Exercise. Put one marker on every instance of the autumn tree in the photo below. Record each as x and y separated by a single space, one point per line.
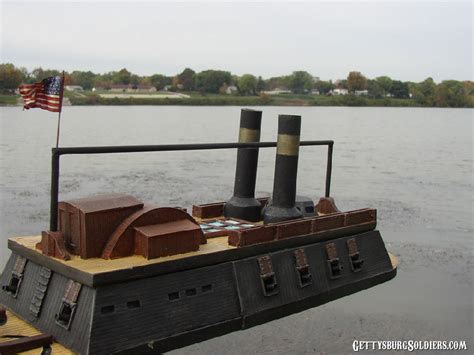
451 93
424 92
123 76
356 81
10 77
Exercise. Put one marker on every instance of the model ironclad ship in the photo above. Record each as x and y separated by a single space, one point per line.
114 274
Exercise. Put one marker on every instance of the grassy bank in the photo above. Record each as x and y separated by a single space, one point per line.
231 100
6 100
197 99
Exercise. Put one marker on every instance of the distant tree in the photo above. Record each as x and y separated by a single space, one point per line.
186 79
123 76
247 84
341 84
356 81
10 77
400 90
159 81
301 82
40 73
278 82
451 93
261 85
83 78
385 84
424 92
25 75
145 80
324 87
134 79
375 89
212 80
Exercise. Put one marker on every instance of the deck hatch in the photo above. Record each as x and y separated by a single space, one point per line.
68 305
16 277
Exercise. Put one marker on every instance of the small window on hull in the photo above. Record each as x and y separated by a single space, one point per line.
191 292
107 309
133 304
173 296
206 288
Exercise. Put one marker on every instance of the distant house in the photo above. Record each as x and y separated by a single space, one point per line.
315 92
277 91
231 89
361 92
339 91
132 88
75 88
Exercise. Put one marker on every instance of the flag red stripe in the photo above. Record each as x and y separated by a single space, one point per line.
44 107
34 96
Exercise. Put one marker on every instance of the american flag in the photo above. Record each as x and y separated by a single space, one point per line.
46 94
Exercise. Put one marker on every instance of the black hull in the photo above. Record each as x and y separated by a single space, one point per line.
164 311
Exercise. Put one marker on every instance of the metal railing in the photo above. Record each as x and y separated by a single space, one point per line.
57 152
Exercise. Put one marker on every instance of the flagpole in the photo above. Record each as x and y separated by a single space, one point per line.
60 109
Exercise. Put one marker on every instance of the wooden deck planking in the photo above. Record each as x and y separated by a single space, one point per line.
16 326
97 265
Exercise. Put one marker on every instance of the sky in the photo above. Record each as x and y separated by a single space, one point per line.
405 40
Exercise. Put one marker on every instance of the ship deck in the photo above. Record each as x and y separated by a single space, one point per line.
97 271
16 326
95 266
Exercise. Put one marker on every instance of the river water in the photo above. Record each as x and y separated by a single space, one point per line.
413 164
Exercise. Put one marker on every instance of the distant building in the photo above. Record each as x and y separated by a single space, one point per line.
315 92
339 91
132 88
73 88
361 92
231 89
277 91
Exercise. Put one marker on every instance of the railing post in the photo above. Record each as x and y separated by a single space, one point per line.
53 218
57 152
329 169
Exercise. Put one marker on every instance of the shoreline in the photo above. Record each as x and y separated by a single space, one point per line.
226 100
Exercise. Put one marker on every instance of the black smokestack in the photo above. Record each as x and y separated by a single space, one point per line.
243 204
282 206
